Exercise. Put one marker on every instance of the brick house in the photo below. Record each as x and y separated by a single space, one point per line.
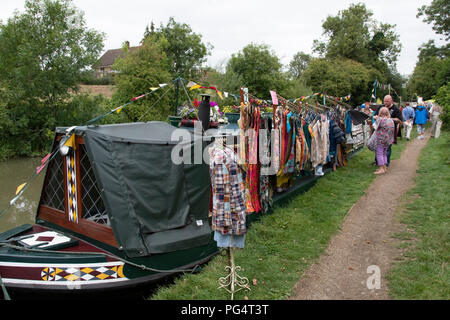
104 66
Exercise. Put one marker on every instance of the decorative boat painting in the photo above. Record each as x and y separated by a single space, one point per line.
115 213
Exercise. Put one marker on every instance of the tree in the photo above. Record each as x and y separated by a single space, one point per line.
44 53
340 77
184 49
137 72
353 34
438 14
432 69
429 75
259 68
442 97
298 64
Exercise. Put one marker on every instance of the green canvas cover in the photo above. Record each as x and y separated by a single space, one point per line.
154 205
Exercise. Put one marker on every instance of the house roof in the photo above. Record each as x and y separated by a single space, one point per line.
110 56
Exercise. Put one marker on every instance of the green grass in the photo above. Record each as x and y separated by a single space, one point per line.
423 271
282 245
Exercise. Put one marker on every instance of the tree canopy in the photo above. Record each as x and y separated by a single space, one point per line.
184 48
438 14
137 72
44 52
354 34
259 68
432 69
355 51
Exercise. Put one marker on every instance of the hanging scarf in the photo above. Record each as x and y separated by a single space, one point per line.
253 201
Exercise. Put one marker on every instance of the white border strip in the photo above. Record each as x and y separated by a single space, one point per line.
61 265
62 283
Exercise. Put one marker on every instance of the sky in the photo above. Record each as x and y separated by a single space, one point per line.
287 26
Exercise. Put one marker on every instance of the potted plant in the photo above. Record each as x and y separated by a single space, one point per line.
232 113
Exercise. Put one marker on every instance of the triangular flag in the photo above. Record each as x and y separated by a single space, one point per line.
220 94
44 159
71 142
226 94
119 109
191 84
19 188
162 84
195 87
154 88
39 169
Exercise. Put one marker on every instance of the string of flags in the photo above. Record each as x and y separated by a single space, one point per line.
70 143
303 98
152 89
378 84
193 86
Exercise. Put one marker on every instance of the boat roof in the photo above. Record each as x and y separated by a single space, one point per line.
154 204
156 132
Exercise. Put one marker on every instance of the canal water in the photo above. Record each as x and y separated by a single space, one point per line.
12 174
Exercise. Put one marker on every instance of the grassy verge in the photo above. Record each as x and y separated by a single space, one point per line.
282 245
423 271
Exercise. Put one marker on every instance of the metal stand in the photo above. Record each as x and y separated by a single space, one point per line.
233 282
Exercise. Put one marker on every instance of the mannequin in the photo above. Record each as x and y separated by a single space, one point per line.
228 210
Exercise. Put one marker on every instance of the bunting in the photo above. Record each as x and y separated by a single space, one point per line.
43 163
379 85
303 98
19 188
193 86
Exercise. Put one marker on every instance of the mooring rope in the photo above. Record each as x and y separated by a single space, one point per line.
144 267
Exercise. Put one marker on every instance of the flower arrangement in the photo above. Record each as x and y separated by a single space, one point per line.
231 109
187 112
216 114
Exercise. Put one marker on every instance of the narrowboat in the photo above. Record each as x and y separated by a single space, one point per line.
115 213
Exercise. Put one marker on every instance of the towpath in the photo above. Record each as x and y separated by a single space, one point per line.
364 245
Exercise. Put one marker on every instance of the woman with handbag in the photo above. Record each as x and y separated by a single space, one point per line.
384 131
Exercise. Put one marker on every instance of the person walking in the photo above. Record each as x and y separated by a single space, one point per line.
385 132
397 117
436 122
421 117
408 120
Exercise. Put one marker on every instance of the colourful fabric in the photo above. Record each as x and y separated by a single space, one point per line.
228 208
289 166
253 174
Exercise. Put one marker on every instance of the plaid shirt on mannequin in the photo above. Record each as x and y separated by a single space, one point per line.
228 210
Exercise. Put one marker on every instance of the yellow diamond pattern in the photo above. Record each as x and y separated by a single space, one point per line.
87 270
102 276
49 274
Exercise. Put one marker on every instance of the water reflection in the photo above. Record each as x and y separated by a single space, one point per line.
12 174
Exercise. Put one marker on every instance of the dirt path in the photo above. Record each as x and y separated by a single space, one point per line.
364 239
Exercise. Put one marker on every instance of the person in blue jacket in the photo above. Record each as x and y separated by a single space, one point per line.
420 119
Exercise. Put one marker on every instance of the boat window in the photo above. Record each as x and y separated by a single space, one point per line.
53 195
92 202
